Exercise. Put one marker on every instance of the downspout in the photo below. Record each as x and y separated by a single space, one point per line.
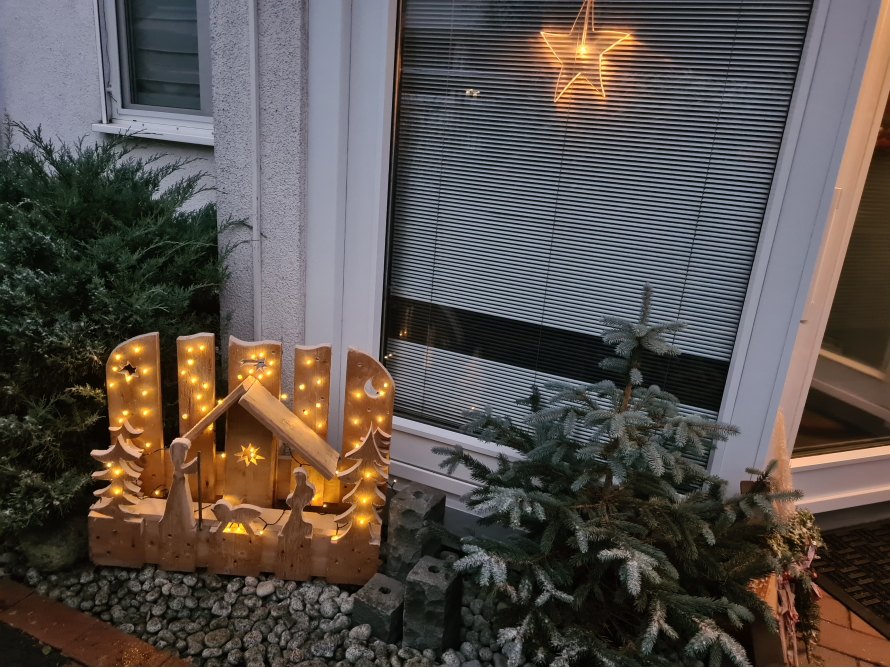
256 238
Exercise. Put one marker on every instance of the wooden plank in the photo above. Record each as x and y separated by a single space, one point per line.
133 381
116 542
196 361
236 544
254 482
312 383
352 557
295 539
221 408
369 398
307 445
178 529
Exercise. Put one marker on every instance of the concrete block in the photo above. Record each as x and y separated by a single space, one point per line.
379 604
408 510
432 606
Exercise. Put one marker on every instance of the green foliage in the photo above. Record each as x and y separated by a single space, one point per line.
94 252
624 552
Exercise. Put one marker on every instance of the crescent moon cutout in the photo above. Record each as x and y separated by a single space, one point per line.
370 391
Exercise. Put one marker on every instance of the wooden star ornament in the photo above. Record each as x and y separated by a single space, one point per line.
581 51
249 455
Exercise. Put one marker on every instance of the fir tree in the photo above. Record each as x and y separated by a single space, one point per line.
366 474
94 251
624 552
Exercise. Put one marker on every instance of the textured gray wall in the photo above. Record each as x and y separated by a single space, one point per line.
282 83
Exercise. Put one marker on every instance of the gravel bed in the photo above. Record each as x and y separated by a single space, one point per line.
232 621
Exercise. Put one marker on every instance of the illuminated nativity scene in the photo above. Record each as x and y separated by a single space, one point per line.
188 506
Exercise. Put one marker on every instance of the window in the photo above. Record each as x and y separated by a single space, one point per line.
523 209
165 55
155 57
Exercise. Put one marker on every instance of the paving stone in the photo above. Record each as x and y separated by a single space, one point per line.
414 505
432 617
380 603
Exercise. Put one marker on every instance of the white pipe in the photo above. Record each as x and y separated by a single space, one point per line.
256 240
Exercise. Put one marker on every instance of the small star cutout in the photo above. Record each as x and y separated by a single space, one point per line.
249 455
261 364
129 371
581 51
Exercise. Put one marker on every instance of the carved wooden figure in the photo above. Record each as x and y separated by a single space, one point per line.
235 547
132 376
178 528
312 401
251 449
196 360
295 539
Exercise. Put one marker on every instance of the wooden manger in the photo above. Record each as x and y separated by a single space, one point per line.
188 506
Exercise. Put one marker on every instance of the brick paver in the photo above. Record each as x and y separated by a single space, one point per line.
847 640
75 634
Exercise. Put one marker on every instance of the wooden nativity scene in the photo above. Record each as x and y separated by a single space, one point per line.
279 499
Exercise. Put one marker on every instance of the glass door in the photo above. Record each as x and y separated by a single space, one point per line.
848 404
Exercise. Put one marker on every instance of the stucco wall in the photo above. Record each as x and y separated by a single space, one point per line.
282 76
49 76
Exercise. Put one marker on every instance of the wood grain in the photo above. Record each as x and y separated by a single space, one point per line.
196 366
138 400
116 542
294 557
254 483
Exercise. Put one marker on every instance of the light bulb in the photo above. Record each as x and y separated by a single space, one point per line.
194 380
117 471
201 347
129 378
284 396
117 357
157 492
318 382
110 384
253 357
308 362
198 396
190 362
203 409
385 384
268 373
125 413
114 368
271 362
355 422
147 446
206 386
185 416
182 373
305 411
120 420
358 395
250 371
317 405
240 377
144 413
117 491
262 354
319 425
190 349
380 419
144 371
361 521
136 349
302 387
144 393
220 401
223 455
364 500
367 475
108 465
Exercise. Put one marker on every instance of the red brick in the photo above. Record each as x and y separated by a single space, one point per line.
107 646
173 661
832 658
50 622
854 643
832 610
859 624
11 592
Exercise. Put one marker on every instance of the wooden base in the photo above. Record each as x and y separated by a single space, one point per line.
131 543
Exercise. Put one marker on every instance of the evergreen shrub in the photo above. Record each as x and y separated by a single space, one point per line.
93 251
623 551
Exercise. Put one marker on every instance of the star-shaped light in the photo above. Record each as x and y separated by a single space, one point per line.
249 455
581 51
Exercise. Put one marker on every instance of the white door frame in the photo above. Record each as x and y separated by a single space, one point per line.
348 214
855 477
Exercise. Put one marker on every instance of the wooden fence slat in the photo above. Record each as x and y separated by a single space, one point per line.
196 362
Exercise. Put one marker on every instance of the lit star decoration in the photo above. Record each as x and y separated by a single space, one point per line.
129 372
581 51
249 455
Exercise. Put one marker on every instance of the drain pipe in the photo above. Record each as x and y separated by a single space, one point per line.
256 238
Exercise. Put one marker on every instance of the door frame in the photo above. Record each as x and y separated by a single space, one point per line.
855 477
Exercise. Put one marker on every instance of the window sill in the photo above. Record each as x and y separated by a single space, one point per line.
199 133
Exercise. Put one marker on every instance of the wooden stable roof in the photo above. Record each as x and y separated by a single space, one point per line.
275 417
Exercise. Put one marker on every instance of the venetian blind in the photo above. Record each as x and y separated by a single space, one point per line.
517 221
162 40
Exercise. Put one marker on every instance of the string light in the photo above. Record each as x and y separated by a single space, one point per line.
358 395
117 471
302 387
305 411
194 380
240 377
284 396
220 401
190 362
262 354
319 425
318 382
355 422
250 371
117 357
182 373
110 384
136 349
114 368
145 412
308 362
206 386
201 347
223 455
144 393
117 491
125 413
185 416
129 378
190 349
108 465
203 409
199 396
145 371
318 405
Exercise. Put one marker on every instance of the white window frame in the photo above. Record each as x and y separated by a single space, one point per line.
116 118
352 50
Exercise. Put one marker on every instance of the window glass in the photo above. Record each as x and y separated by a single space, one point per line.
537 186
162 49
